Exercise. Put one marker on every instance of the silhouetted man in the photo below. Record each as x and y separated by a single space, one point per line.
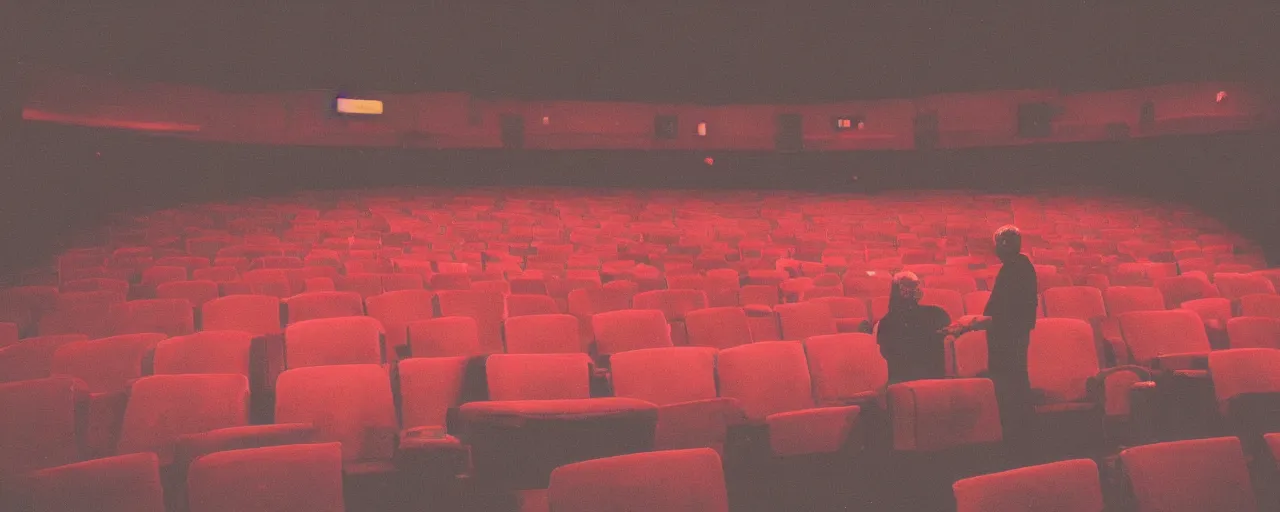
1008 319
908 335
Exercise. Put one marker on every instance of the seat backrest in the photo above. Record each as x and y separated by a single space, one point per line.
543 334
950 301
674 304
32 358
524 305
333 341
195 292
1179 289
204 352
1124 299
1079 302
1163 481
1062 358
174 317
163 408
722 327
1244 370
631 329
271 479
961 284
665 376
675 480
865 286
968 354
1215 308
976 302
448 336
801 321
487 308
316 305
349 404
766 377
590 301
1234 286
42 424
106 364
1260 304
844 367
255 314
397 309
429 387
126 483
1066 486
1254 332
538 376
935 415
1149 334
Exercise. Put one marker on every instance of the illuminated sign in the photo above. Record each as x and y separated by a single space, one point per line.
360 107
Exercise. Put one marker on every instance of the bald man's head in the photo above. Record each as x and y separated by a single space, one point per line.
1008 242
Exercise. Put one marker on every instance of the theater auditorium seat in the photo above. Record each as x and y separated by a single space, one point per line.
1215 313
106 365
1235 286
543 334
318 305
272 479
804 320
162 408
32 358
632 329
674 305
173 317
42 425
195 292
718 327
205 352
771 380
538 376
1067 486
1260 304
1243 371
525 305
254 314
1162 479
847 369
126 483
396 310
1166 340
681 382
677 480
449 336
333 341
850 313
487 308
1254 332
349 404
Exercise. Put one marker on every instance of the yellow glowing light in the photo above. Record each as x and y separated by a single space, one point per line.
354 106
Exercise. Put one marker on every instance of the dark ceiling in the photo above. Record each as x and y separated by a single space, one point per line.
707 52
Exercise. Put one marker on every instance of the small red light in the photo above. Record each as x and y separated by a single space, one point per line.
702 129
546 120
1222 96
861 125
709 161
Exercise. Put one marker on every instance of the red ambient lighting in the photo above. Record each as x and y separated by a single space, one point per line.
709 161
1222 96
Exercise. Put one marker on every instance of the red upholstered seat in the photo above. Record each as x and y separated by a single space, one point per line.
866 286
333 341
272 479
1162 479
42 424
1244 370
127 483
1179 289
771 381
203 353
365 284
486 308
539 376
674 305
721 327
949 300
1235 286
174 317
396 310
681 381
32 358
678 480
525 305
1067 486
163 408
312 306
543 334
106 364
349 404
633 329
1254 332
1163 335
804 320
846 368
974 302
1260 304
935 415
191 446
429 387
195 292
960 284
444 337
254 314
1078 302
